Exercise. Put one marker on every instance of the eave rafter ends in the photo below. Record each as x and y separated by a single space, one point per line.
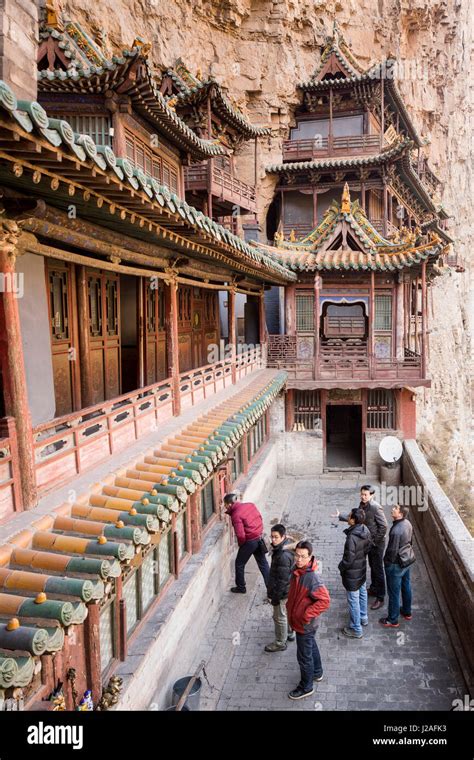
52 571
62 157
345 239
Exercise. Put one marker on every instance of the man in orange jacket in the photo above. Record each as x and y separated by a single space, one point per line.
307 599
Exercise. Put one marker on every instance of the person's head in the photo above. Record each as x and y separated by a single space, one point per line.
356 517
366 493
399 512
277 534
303 553
229 499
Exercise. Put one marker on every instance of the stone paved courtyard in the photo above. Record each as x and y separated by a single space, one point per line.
413 667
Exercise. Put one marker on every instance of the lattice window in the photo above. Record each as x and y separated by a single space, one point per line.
97 127
207 503
112 307
184 304
58 285
95 306
383 312
307 410
380 409
237 464
304 313
181 534
155 311
142 156
164 557
130 595
148 581
106 636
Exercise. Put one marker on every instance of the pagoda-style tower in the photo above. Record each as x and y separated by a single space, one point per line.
355 216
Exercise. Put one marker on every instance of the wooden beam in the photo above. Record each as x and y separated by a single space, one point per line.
372 325
424 307
13 365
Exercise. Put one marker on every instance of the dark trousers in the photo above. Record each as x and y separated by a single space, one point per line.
377 574
309 659
243 555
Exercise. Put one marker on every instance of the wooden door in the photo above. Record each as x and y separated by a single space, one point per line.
155 336
104 334
62 319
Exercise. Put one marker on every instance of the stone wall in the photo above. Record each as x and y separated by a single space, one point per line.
260 49
18 46
448 543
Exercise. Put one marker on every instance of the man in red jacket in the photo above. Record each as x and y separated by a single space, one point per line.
307 599
248 526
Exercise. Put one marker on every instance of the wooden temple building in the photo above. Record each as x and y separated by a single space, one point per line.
118 190
354 217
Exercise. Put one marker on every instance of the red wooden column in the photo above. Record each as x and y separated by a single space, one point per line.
171 328
195 519
13 365
87 395
424 306
399 324
262 325
290 310
92 650
317 288
231 329
371 325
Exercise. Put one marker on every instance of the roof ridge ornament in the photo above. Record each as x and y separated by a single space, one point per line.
346 200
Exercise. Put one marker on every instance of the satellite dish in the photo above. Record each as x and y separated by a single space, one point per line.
390 449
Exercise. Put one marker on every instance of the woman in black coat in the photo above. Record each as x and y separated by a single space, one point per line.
353 569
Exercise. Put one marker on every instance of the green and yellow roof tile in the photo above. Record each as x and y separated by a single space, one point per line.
50 572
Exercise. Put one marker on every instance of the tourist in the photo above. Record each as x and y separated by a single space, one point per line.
353 569
376 522
398 558
248 526
307 599
278 586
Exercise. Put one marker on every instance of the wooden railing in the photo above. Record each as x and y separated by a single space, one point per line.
344 325
69 445
344 360
379 226
10 493
304 150
224 184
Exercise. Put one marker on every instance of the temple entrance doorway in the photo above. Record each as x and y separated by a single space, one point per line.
344 436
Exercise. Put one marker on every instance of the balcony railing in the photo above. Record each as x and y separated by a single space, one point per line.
224 185
74 443
379 226
10 497
340 360
305 150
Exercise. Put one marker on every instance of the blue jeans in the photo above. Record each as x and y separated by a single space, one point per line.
243 555
358 608
398 580
309 659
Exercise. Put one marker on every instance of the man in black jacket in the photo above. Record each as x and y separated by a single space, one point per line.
376 522
278 586
353 569
398 578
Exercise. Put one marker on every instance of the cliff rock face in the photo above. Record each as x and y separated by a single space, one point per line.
260 49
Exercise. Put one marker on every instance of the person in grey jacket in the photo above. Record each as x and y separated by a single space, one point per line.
376 522
398 578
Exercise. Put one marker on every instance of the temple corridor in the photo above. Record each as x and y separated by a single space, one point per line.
412 668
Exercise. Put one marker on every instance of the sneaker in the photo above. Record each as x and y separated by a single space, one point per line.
364 622
300 693
407 617
350 633
291 636
387 624
317 679
237 590
275 647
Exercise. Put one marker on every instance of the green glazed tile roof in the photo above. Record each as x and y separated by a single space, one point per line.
32 118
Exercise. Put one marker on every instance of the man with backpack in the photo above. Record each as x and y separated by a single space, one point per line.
398 558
